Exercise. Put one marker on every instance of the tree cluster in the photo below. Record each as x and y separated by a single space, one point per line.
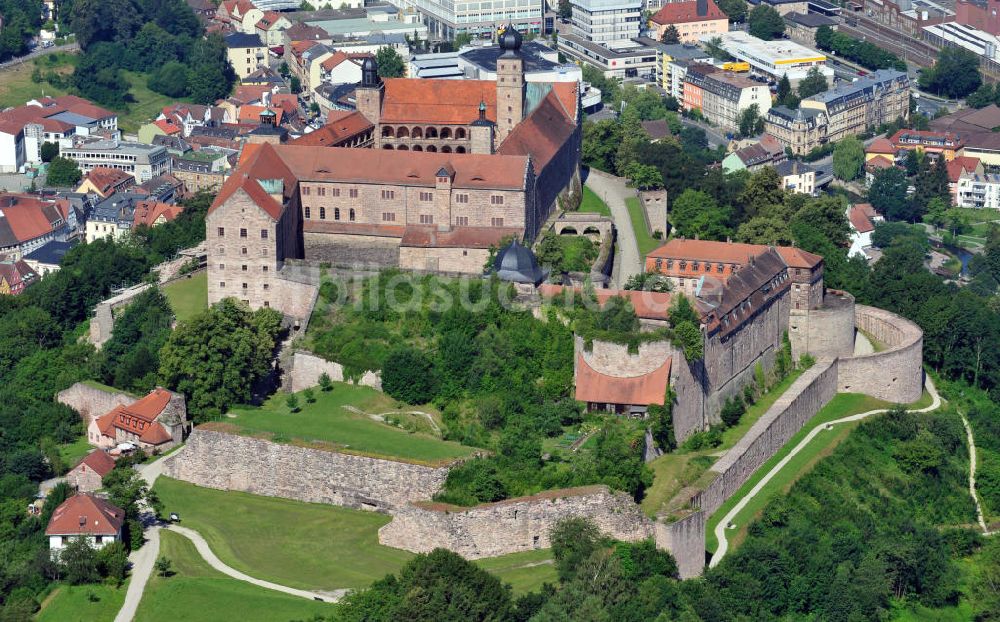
954 75
162 38
764 22
866 54
21 21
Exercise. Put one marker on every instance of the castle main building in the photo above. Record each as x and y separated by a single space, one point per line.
455 166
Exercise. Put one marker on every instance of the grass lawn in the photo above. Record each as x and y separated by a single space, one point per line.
842 405
327 421
593 204
678 469
82 603
104 387
526 572
197 593
188 296
304 545
645 241
16 87
75 451
146 105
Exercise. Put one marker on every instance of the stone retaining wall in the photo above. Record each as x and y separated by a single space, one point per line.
685 539
896 374
307 368
225 461
824 332
807 395
92 402
513 525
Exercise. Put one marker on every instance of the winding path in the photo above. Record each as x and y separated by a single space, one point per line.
720 528
613 191
972 477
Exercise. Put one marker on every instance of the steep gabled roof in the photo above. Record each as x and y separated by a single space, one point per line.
85 514
257 162
541 134
98 461
340 125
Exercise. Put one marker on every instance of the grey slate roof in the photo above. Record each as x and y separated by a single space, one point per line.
51 253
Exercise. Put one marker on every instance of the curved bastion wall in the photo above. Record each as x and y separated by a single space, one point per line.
218 459
614 359
824 332
895 374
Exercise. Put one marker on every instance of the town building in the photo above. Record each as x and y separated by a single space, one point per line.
29 221
59 120
103 182
934 144
455 167
773 59
246 53
85 516
722 96
479 62
980 14
116 216
155 422
447 18
976 130
48 257
853 108
797 177
672 60
141 161
348 27
978 191
765 152
693 20
783 7
269 28
629 59
907 17
604 33
88 474
982 44
862 218
801 27
341 68
342 129
15 277
962 165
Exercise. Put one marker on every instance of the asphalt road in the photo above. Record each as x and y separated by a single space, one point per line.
40 52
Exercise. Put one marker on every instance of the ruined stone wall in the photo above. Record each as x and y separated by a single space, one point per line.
614 359
307 368
807 395
514 525
225 461
102 324
654 208
294 299
824 332
896 374
685 539
92 402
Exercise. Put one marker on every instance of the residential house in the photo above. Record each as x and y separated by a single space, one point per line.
935 144
978 191
175 145
241 15
879 163
801 27
15 277
656 129
862 218
797 177
86 516
163 188
29 221
962 165
693 20
154 213
270 26
265 76
672 62
155 422
104 182
755 156
158 127
190 116
246 53
341 68
48 257
722 96
881 147
88 474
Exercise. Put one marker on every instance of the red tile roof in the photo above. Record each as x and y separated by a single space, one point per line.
960 164
28 217
647 305
18 275
686 12
167 126
97 461
798 258
341 125
859 218
139 418
106 179
257 161
251 114
878 163
729 253
593 386
462 237
881 145
543 132
85 514
454 102
148 212
246 93
340 57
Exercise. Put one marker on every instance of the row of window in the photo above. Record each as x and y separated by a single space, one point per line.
335 192
243 233
245 268
221 250
222 285
307 211
386 195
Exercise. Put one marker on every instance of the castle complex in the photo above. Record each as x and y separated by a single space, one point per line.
454 167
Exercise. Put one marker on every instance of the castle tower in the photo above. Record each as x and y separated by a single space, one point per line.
510 83
481 132
369 94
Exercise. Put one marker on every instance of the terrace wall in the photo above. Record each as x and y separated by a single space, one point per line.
92 402
307 368
896 374
225 461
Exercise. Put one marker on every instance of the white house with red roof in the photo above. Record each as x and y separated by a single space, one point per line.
154 423
24 129
862 218
85 516
28 222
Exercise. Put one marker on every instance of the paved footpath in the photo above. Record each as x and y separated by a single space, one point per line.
142 567
720 529
614 192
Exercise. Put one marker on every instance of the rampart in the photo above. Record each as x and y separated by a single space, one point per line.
307 368
225 461
513 525
807 395
91 401
895 374
685 539
824 332
103 322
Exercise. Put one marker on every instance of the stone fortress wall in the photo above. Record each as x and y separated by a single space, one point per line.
513 525
92 402
827 331
614 359
224 461
895 374
306 369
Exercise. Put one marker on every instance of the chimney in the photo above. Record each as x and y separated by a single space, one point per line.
702 7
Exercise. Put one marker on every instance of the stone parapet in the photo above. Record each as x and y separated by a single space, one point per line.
92 402
895 374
